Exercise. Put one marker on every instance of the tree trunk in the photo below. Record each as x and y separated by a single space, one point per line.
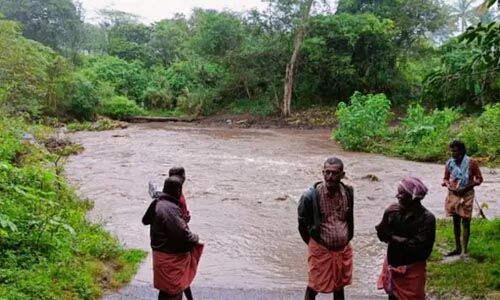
290 67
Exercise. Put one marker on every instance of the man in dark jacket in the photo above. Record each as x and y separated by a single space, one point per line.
176 251
326 224
409 230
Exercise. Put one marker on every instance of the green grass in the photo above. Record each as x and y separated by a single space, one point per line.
478 277
48 249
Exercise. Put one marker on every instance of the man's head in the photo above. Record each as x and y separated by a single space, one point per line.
173 186
457 149
178 171
411 191
333 172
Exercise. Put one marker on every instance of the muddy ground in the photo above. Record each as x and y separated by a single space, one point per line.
242 189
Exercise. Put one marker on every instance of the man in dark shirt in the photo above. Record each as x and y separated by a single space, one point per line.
326 224
409 230
176 251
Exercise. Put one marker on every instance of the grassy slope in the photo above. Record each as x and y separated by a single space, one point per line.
478 277
48 250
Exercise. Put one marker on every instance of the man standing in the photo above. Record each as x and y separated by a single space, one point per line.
461 175
409 229
176 251
326 224
179 171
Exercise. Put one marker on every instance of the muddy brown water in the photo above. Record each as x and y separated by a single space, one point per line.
242 189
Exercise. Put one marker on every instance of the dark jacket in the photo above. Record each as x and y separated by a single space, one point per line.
309 212
418 228
169 232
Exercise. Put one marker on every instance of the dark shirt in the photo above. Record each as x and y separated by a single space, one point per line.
169 232
418 228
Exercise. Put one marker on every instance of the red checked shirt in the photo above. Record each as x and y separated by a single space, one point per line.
334 232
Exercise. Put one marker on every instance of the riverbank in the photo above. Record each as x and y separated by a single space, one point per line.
48 249
476 275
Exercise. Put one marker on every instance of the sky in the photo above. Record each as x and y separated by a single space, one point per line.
155 10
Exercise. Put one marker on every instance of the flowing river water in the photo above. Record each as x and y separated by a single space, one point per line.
242 189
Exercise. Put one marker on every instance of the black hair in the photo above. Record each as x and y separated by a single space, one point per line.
459 145
173 186
334 161
177 171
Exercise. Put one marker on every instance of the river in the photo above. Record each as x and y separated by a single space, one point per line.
242 189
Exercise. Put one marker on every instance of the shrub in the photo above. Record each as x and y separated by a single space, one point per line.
83 100
482 135
259 107
127 78
364 122
157 98
423 136
196 102
119 107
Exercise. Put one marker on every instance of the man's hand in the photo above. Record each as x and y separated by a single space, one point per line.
398 239
445 183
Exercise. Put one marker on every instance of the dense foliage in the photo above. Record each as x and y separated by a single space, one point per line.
419 135
48 248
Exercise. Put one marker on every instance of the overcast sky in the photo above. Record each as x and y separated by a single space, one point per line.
155 10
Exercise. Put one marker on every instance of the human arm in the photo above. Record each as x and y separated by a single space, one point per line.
148 217
446 178
475 176
304 218
420 244
177 227
383 229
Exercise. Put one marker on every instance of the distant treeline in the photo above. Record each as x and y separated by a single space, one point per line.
215 60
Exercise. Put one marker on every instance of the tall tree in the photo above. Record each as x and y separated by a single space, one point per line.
167 39
54 23
413 19
291 66
463 12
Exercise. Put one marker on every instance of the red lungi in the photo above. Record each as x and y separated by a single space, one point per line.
174 272
328 270
404 282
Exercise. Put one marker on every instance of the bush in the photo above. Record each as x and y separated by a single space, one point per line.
258 107
127 78
83 100
156 98
482 135
364 123
425 137
197 102
119 107
48 248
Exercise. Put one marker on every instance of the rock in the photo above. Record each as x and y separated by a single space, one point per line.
371 177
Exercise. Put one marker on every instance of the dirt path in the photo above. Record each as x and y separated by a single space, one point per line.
242 189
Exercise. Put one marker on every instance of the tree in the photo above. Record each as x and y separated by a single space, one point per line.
344 53
413 19
215 33
290 67
462 11
168 39
54 23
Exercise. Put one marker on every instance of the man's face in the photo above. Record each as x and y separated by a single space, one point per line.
332 175
404 197
456 154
